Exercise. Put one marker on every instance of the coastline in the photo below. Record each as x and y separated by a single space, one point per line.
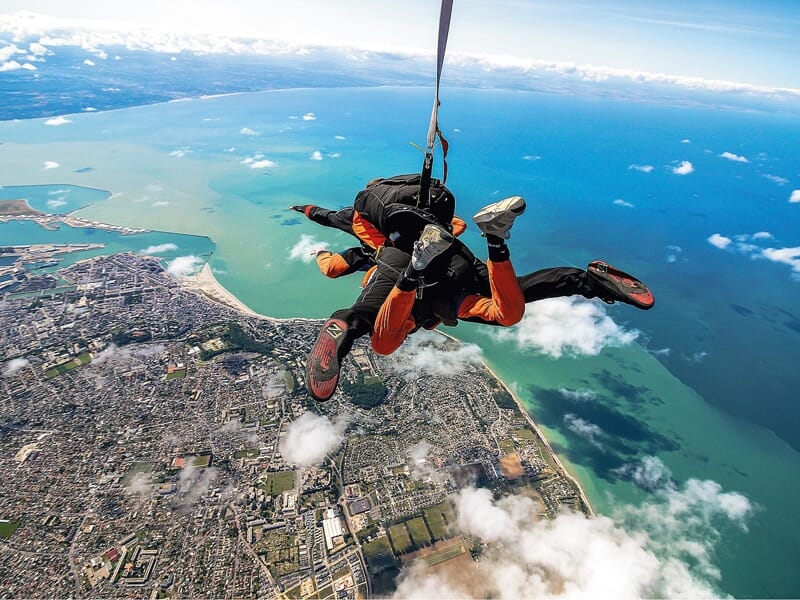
207 284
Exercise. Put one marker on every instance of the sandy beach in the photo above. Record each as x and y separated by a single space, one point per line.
205 283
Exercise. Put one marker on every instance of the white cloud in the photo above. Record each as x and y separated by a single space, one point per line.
259 162
311 438
673 252
7 52
580 395
309 117
159 249
50 164
306 248
621 202
88 63
532 157
686 141
339 137
247 131
787 256
55 203
335 155
795 196
160 203
734 157
429 353
762 235
664 547
184 266
684 168
14 365
559 326
316 155
642 168
13 65
583 428
58 121
178 153
89 109
720 241
777 179
127 354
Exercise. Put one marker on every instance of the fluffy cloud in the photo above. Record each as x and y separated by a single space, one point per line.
159 249
719 240
665 546
112 353
795 196
431 353
88 63
13 65
58 121
14 365
306 248
684 168
339 137
787 256
50 164
559 326
531 157
642 168
581 395
686 141
776 179
259 162
673 252
583 428
184 266
621 202
316 155
309 117
247 131
178 153
55 203
734 157
160 203
311 438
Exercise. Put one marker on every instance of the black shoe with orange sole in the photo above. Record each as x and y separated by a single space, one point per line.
322 366
613 285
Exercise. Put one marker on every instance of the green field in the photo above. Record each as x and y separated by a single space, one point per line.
136 468
507 446
178 374
201 461
7 528
324 592
400 539
83 359
377 548
247 453
419 532
277 483
438 517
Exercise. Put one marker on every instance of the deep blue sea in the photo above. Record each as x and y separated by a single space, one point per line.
710 385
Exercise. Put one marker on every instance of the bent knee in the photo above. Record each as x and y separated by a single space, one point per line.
511 317
384 346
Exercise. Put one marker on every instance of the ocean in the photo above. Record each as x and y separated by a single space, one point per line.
709 385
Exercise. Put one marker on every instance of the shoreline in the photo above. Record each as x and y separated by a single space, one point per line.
205 282
521 405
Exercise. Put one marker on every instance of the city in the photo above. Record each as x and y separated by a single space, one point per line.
142 428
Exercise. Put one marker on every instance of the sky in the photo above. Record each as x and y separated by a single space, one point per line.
753 42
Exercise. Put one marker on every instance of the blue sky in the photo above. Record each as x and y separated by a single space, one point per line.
754 42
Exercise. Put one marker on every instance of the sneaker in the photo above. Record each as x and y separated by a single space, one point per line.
433 241
322 366
301 208
611 285
496 219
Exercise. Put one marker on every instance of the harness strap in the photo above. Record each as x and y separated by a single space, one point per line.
433 127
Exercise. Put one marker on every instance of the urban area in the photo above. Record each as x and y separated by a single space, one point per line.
141 434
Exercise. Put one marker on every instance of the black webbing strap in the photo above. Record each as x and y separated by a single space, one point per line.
433 127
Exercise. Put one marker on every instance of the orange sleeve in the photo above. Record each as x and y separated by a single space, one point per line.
459 226
507 304
331 265
366 232
394 321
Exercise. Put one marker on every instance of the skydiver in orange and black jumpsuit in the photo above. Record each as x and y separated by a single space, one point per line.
402 294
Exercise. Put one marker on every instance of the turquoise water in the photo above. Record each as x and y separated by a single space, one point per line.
28 232
56 199
710 385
